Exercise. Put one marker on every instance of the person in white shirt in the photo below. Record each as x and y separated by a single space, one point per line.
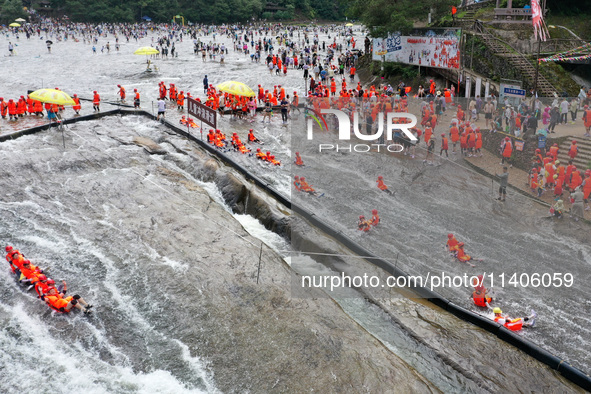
564 111
161 109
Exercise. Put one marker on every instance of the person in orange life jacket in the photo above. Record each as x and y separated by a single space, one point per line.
298 160
529 321
586 186
63 289
57 301
271 159
76 107
180 101
210 136
16 260
362 224
452 243
382 186
375 218
478 141
558 186
136 99
252 138
121 93
444 145
21 107
260 155
572 152
96 101
12 258
30 272
554 151
305 187
461 254
506 151
296 183
295 102
42 287
3 108
11 110
480 295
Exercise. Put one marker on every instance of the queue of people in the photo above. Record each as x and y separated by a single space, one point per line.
35 277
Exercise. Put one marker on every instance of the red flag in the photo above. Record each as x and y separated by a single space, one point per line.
454 10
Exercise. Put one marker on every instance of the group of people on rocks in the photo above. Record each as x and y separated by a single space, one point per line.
35 277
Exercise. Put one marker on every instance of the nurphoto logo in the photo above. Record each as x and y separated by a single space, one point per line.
345 130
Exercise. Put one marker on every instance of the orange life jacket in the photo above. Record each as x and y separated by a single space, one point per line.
508 149
462 256
480 298
375 220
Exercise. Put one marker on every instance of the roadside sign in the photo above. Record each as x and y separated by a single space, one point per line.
202 112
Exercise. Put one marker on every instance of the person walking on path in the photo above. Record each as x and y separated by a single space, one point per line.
503 181
577 210
284 109
161 109
574 107
564 111
554 118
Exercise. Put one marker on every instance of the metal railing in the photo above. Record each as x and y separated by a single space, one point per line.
513 13
555 45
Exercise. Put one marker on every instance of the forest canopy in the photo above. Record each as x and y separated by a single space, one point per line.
196 11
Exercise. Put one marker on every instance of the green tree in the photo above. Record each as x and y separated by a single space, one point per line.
11 10
384 16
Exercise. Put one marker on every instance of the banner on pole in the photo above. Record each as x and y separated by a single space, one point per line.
439 48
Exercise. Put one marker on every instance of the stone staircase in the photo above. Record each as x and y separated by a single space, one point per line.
520 62
469 14
583 157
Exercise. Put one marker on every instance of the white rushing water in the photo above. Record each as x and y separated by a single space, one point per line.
133 348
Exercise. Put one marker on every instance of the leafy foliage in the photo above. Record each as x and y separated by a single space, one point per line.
383 16
197 11
11 10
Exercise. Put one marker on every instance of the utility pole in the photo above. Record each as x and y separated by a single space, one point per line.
537 67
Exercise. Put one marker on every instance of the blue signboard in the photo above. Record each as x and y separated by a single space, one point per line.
512 92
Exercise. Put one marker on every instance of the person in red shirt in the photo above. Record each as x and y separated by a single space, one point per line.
96 101
444 145
76 107
121 93
136 99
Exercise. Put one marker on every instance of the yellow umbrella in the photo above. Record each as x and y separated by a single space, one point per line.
52 96
20 20
236 88
146 51
349 24
14 24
